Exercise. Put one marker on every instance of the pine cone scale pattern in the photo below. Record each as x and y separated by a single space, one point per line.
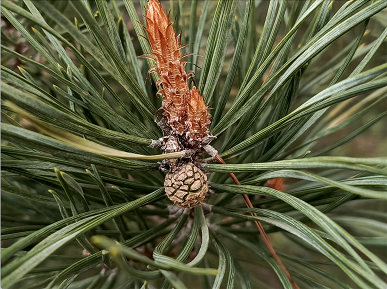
187 186
187 121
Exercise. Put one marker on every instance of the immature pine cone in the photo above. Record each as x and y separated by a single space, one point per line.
186 186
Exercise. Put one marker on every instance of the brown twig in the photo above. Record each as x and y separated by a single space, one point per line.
260 228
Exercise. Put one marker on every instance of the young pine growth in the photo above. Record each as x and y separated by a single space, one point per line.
186 121
298 95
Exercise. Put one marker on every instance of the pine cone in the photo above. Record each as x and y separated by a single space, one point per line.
186 186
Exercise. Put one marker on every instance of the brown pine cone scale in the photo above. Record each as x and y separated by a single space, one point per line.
186 186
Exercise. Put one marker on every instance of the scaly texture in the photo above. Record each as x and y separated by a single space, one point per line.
184 108
169 65
186 122
187 186
197 117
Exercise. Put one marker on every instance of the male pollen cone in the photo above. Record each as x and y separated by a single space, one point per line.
182 107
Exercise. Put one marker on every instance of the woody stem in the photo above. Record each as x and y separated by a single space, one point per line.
259 226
